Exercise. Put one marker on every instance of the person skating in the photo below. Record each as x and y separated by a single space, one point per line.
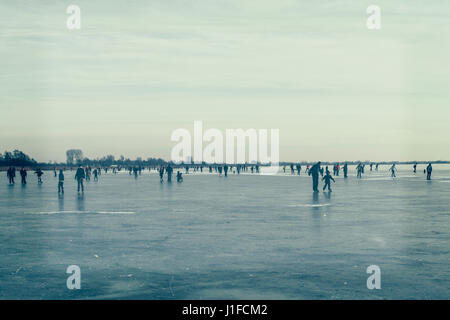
80 176
327 178
11 173
60 182
39 174
314 172
23 175
429 170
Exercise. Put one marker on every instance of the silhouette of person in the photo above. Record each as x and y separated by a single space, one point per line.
327 178
161 173
23 175
415 167
11 173
61 182
179 176
359 170
429 170
88 173
225 170
314 172
39 174
169 171
393 169
345 170
80 176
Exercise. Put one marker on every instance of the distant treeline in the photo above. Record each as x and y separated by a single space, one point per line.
16 158
122 162
75 157
19 159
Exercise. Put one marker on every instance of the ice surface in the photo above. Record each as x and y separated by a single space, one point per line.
241 237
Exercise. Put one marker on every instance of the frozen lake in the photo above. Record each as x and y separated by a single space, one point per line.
241 237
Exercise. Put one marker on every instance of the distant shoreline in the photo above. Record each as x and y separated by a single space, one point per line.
51 166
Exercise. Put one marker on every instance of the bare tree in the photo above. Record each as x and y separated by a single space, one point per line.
74 156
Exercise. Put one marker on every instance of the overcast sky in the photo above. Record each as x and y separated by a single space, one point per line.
138 70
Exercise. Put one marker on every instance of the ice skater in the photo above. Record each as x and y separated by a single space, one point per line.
169 171
11 173
314 172
161 174
23 175
327 178
80 176
39 174
359 170
392 170
60 182
429 170
88 173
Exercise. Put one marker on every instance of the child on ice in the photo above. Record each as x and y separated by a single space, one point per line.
327 179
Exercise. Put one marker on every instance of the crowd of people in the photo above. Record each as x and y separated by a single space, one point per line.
84 173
